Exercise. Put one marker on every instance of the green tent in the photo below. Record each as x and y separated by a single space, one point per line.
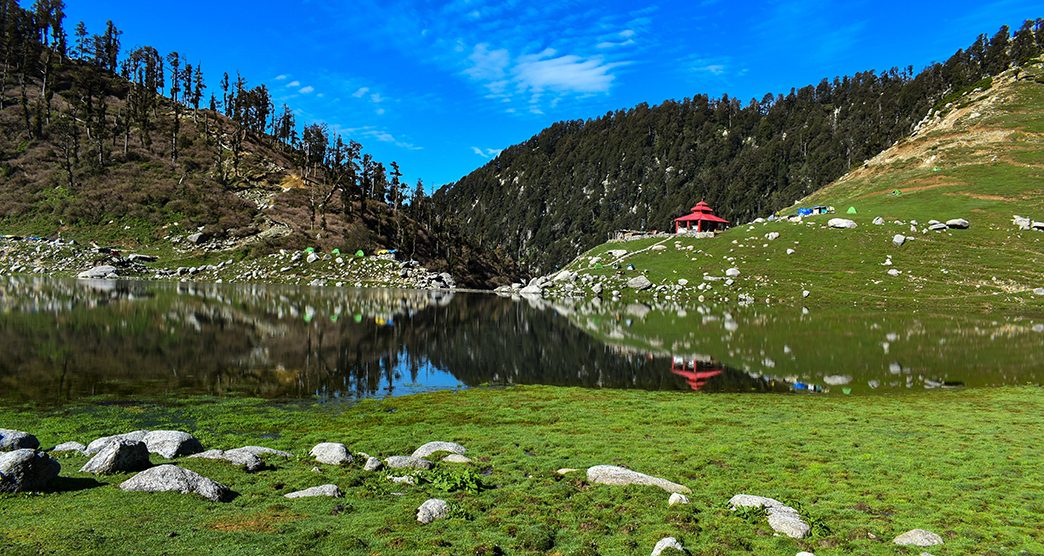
309 249
360 253
851 210
336 251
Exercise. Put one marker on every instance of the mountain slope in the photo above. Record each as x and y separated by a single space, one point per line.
980 157
569 187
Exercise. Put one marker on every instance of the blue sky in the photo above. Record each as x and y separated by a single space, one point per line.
440 87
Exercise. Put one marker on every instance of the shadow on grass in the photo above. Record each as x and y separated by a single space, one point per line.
72 484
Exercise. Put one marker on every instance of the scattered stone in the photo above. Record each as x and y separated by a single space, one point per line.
432 510
17 440
171 478
958 223
791 251
639 283
658 248
1038 291
683 282
331 453
322 490
616 253
373 464
918 537
436 447
805 293
732 272
668 543
781 518
456 458
97 444
25 469
403 480
171 444
195 238
615 475
311 258
532 289
878 221
262 451
99 272
69 447
841 223
247 460
121 456
677 499
894 272
407 462
937 227
771 235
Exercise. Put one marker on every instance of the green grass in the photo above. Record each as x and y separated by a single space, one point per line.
985 169
964 464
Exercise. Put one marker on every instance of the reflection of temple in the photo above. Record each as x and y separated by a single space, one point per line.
695 370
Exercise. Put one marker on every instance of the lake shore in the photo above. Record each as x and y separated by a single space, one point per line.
859 470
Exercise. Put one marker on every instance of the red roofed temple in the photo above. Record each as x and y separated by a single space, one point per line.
704 218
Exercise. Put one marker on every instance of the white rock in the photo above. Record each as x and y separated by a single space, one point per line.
791 251
677 499
639 283
312 257
118 457
247 460
894 272
373 464
403 480
841 223
262 451
682 282
432 510
878 221
615 475
732 272
69 447
407 462
170 444
668 543
97 444
918 537
171 478
781 518
771 235
805 293
331 453
322 490
456 458
958 223
436 447
17 440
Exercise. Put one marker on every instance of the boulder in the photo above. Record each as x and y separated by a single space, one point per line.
898 240
781 518
668 543
616 253
17 440
564 276
311 258
431 510
69 447
139 258
532 289
639 283
26 469
98 273
407 462
247 460
97 444
732 272
262 451
121 456
918 537
683 282
618 476
878 221
456 458
373 464
322 490
436 447
195 238
403 480
677 499
171 478
958 223
938 227
894 272
171 444
331 453
841 223
771 236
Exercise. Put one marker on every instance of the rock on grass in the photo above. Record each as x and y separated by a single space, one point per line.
171 478
407 462
17 440
432 510
25 470
331 453
615 475
918 537
436 447
119 457
171 444
670 544
322 490
781 518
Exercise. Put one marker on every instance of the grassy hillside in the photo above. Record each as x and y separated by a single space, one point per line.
978 157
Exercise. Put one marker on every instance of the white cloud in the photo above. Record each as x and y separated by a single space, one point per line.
486 153
547 71
294 83
307 89
376 98
280 77
360 92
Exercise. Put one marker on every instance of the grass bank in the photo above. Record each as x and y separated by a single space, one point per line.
964 464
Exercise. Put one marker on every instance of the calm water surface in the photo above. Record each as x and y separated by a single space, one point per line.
61 340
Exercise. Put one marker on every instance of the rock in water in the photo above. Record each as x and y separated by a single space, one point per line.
26 470
431 510
171 444
841 223
958 223
322 490
17 440
407 462
918 537
668 543
781 518
119 457
171 478
639 283
615 475
436 447
331 453
97 444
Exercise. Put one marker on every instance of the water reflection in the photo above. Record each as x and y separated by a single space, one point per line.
61 340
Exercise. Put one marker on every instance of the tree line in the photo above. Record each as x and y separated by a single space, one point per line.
572 184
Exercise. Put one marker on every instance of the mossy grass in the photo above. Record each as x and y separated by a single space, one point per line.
964 464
